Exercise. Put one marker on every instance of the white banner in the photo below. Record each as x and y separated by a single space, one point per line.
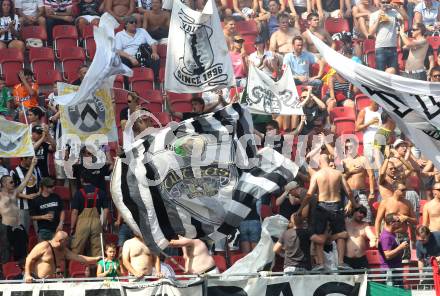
303 285
105 64
413 104
266 96
15 139
197 56
94 116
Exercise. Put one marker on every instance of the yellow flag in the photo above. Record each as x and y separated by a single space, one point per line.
15 139
93 116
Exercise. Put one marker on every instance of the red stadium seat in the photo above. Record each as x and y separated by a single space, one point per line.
37 32
434 41
90 46
362 101
371 59
42 65
11 77
142 78
72 53
11 55
247 27
77 269
64 36
249 48
373 258
342 112
220 262
70 69
422 203
181 106
163 117
344 126
120 96
87 32
236 257
41 54
162 51
336 25
174 97
11 270
154 97
48 77
111 238
368 46
119 82
249 38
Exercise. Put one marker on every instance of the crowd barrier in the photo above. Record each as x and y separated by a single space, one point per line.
256 284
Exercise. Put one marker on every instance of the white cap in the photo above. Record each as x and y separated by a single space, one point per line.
399 142
291 185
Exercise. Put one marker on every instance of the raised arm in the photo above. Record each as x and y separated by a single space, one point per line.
29 173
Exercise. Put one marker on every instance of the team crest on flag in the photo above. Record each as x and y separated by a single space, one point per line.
92 116
197 56
266 96
15 139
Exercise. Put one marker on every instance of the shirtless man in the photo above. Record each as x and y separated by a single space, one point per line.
157 21
361 16
119 8
281 39
138 259
328 182
245 9
431 210
387 179
358 234
9 212
44 259
196 255
229 31
316 29
356 168
403 209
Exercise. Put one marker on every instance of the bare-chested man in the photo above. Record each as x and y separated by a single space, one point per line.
356 168
281 39
229 31
328 182
358 234
387 179
431 210
119 8
361 16
9 212
45 258
138 259
403 209
245 9
317 30
197 258
157 21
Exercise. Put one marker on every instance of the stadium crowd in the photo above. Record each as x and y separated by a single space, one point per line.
376 204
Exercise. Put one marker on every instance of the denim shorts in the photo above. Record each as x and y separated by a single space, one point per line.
250 231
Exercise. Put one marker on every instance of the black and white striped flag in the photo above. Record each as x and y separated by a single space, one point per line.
197 178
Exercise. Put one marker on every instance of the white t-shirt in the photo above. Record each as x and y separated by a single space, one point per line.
29 7
130 44
4 23
429 15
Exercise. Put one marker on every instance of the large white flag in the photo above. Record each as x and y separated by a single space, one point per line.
197 56
105 64
273 97
413 104
15 139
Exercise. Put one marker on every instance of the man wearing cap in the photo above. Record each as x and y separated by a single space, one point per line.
431 210
239 61
358 234
47 209
43 143
265 60
290 201
127 44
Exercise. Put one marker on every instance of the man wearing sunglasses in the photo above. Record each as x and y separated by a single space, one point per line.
434 74
47 209
384 24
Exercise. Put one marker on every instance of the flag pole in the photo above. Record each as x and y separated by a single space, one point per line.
102 249
172 260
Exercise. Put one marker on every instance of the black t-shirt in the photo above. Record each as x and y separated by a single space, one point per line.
287 209
431 248
330 5
91 8
97 175
188 115
101 199
77 82
312 113
43 205
41 153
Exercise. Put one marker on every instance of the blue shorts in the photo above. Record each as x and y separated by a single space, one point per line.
250 231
